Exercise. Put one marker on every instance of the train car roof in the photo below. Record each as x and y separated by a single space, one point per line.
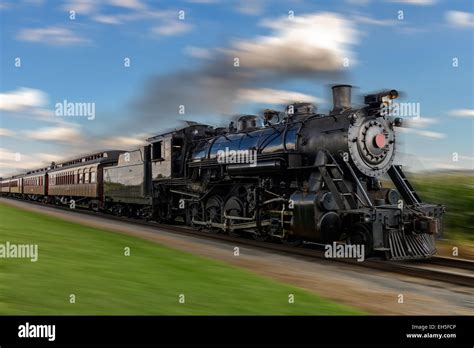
84 160
190 125
41 171
16 176
76 161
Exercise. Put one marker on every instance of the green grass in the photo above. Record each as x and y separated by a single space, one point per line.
456 192
90 263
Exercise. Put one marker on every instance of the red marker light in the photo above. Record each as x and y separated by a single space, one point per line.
380 140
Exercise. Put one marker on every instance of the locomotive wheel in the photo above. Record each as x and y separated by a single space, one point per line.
234 207
118 210
213 211
195 210
261 234
361 234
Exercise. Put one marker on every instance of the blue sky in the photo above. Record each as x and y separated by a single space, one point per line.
82 60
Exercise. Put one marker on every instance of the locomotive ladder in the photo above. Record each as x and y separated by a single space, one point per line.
403 185
333 177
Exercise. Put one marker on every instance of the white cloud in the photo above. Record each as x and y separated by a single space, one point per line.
419 122
58 36
13 162
118 142
273 96
415 2
422 133
27 103
442 165
430 134
105 12
65 133
466 158
462 113
7 155
131 4
22 99
170 28
374 21
81 6
460 19
48 158
250 7
316 42
463 163
4 132
198 52
106 19
131 16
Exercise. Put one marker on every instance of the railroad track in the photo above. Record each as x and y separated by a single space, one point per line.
452 262
443 269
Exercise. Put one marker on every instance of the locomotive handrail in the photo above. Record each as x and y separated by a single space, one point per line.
359 185
276 199
403 185
360 200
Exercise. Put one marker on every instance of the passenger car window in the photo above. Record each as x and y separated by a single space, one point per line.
93 177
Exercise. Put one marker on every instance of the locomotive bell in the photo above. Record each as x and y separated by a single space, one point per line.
341 95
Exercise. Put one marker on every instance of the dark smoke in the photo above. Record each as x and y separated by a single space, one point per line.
296 50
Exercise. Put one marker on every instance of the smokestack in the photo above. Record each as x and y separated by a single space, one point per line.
341 95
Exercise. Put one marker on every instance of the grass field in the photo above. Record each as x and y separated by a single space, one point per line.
456 192
91 264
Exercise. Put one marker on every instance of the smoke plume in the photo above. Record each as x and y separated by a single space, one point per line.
312 47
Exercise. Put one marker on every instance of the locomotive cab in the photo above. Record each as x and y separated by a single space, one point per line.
168 150
161 157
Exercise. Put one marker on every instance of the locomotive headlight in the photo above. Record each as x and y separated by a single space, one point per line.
375 100
393 94
367 218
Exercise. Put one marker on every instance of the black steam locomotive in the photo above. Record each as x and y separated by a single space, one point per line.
296 176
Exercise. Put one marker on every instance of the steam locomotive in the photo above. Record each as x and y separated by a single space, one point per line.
296 176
